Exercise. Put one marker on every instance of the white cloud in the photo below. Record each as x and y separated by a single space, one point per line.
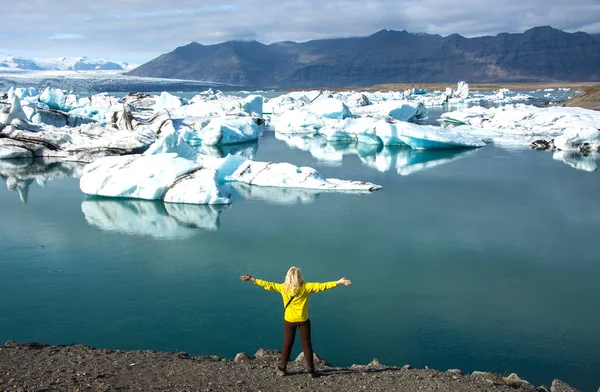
67 36
137 31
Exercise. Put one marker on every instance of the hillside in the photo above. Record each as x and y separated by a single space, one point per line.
541 54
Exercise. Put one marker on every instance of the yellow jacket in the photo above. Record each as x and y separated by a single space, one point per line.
297 311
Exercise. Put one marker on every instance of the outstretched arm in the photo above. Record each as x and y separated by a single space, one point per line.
270 286
316 287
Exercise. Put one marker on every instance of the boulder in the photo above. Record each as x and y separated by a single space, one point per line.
241 357
514 381
375 364
317 359
560 386
267 353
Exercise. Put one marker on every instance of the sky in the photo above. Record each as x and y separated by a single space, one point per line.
136 31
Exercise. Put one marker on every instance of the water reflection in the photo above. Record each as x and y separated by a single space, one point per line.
151 218
19 174
407 161
246 150
577 160
275 195
401 159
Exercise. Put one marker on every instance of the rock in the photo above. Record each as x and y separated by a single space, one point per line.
406 367
560 386
317 359
375 363
427 367
268 353
10 343
493 378
457 372
514 381
543 388
240 357
543 145
356 366
363 100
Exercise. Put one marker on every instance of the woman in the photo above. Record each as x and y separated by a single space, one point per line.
294 292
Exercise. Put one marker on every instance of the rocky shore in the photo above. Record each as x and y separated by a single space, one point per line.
39 367
588 99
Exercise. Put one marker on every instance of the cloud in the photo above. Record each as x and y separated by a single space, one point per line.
67 36
137 31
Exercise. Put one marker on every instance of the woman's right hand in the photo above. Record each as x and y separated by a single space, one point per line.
247 277
344 281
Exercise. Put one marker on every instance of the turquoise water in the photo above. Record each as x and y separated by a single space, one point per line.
488 262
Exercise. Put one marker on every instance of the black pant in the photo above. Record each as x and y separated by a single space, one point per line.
289 334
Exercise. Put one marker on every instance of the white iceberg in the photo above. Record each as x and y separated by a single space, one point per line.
15 111
287 175
297 122
569 127
153 177
229 130
167 101
421 137
330 108
253 105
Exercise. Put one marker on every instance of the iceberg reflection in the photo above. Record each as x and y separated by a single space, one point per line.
19 174
407 161
151 218
247 150
588 163
402 159
276 195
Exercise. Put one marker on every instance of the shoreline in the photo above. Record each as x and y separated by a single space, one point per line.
35 366
441 86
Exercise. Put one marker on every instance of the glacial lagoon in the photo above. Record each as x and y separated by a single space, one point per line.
474 259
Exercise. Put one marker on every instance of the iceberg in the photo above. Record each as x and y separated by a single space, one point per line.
153 177
422 137
253 105
56 99
330 108
167 101
150 218
297 122
287 175
571 128
84 143
15 111
229 130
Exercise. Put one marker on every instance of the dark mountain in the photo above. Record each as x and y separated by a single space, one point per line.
597 36
539 54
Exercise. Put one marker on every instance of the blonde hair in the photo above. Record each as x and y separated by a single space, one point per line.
293 281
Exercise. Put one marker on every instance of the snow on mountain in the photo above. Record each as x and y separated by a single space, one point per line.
63 64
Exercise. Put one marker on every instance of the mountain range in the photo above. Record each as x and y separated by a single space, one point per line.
541 54
61 64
